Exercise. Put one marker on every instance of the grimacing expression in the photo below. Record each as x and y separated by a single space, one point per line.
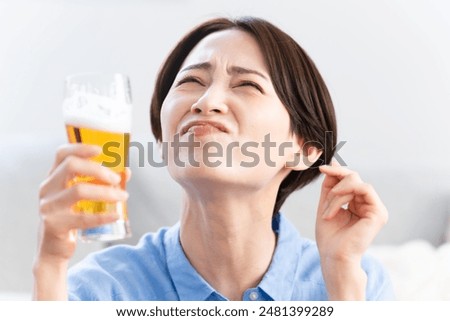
223 94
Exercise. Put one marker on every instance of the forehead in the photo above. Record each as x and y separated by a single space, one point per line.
230 47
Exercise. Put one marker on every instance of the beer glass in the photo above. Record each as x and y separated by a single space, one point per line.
97 111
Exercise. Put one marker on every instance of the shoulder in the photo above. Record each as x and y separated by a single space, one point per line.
124 272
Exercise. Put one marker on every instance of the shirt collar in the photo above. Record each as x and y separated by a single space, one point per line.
277 283
189 284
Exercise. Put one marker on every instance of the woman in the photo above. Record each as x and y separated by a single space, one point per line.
247 88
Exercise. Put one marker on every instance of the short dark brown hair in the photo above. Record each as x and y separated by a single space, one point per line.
296 80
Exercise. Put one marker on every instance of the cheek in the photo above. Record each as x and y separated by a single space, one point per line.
275 122
172 112
165 122
272 132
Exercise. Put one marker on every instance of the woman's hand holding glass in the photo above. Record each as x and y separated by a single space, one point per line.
59 222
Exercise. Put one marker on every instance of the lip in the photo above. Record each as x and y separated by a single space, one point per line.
219 126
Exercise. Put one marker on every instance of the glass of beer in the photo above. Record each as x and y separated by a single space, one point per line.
97 111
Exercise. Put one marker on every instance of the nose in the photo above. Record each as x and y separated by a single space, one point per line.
213 101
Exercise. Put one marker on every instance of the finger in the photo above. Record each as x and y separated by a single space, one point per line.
333 176
127 174
65 199
73 166
62 224
328 183
336 204
347 184
373 210
89 221
79 150
364 190
335 170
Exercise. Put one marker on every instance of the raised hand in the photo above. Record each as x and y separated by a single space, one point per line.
59 222
350 215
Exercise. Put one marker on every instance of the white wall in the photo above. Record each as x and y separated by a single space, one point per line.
387 65
386 62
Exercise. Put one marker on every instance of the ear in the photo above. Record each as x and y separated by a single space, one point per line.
305 156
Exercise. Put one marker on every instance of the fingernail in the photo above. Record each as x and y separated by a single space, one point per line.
96 148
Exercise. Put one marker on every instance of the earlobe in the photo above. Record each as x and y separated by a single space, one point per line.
304 158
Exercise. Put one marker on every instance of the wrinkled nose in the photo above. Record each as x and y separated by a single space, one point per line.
213 101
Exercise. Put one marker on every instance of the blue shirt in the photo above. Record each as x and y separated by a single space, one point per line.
157 269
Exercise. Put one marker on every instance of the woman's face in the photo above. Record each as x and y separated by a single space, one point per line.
222 120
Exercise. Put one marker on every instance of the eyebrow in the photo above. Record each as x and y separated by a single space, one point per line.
232 70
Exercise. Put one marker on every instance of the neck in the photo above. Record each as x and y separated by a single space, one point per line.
228 238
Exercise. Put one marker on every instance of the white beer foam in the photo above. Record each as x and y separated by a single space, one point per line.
97 112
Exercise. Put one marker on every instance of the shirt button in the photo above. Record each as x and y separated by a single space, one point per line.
253 296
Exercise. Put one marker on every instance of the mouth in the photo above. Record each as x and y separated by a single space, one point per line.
203 127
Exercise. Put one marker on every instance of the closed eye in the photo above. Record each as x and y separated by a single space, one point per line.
189 79
251 84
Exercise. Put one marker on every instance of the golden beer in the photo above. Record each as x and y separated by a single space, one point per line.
97 111
115 159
